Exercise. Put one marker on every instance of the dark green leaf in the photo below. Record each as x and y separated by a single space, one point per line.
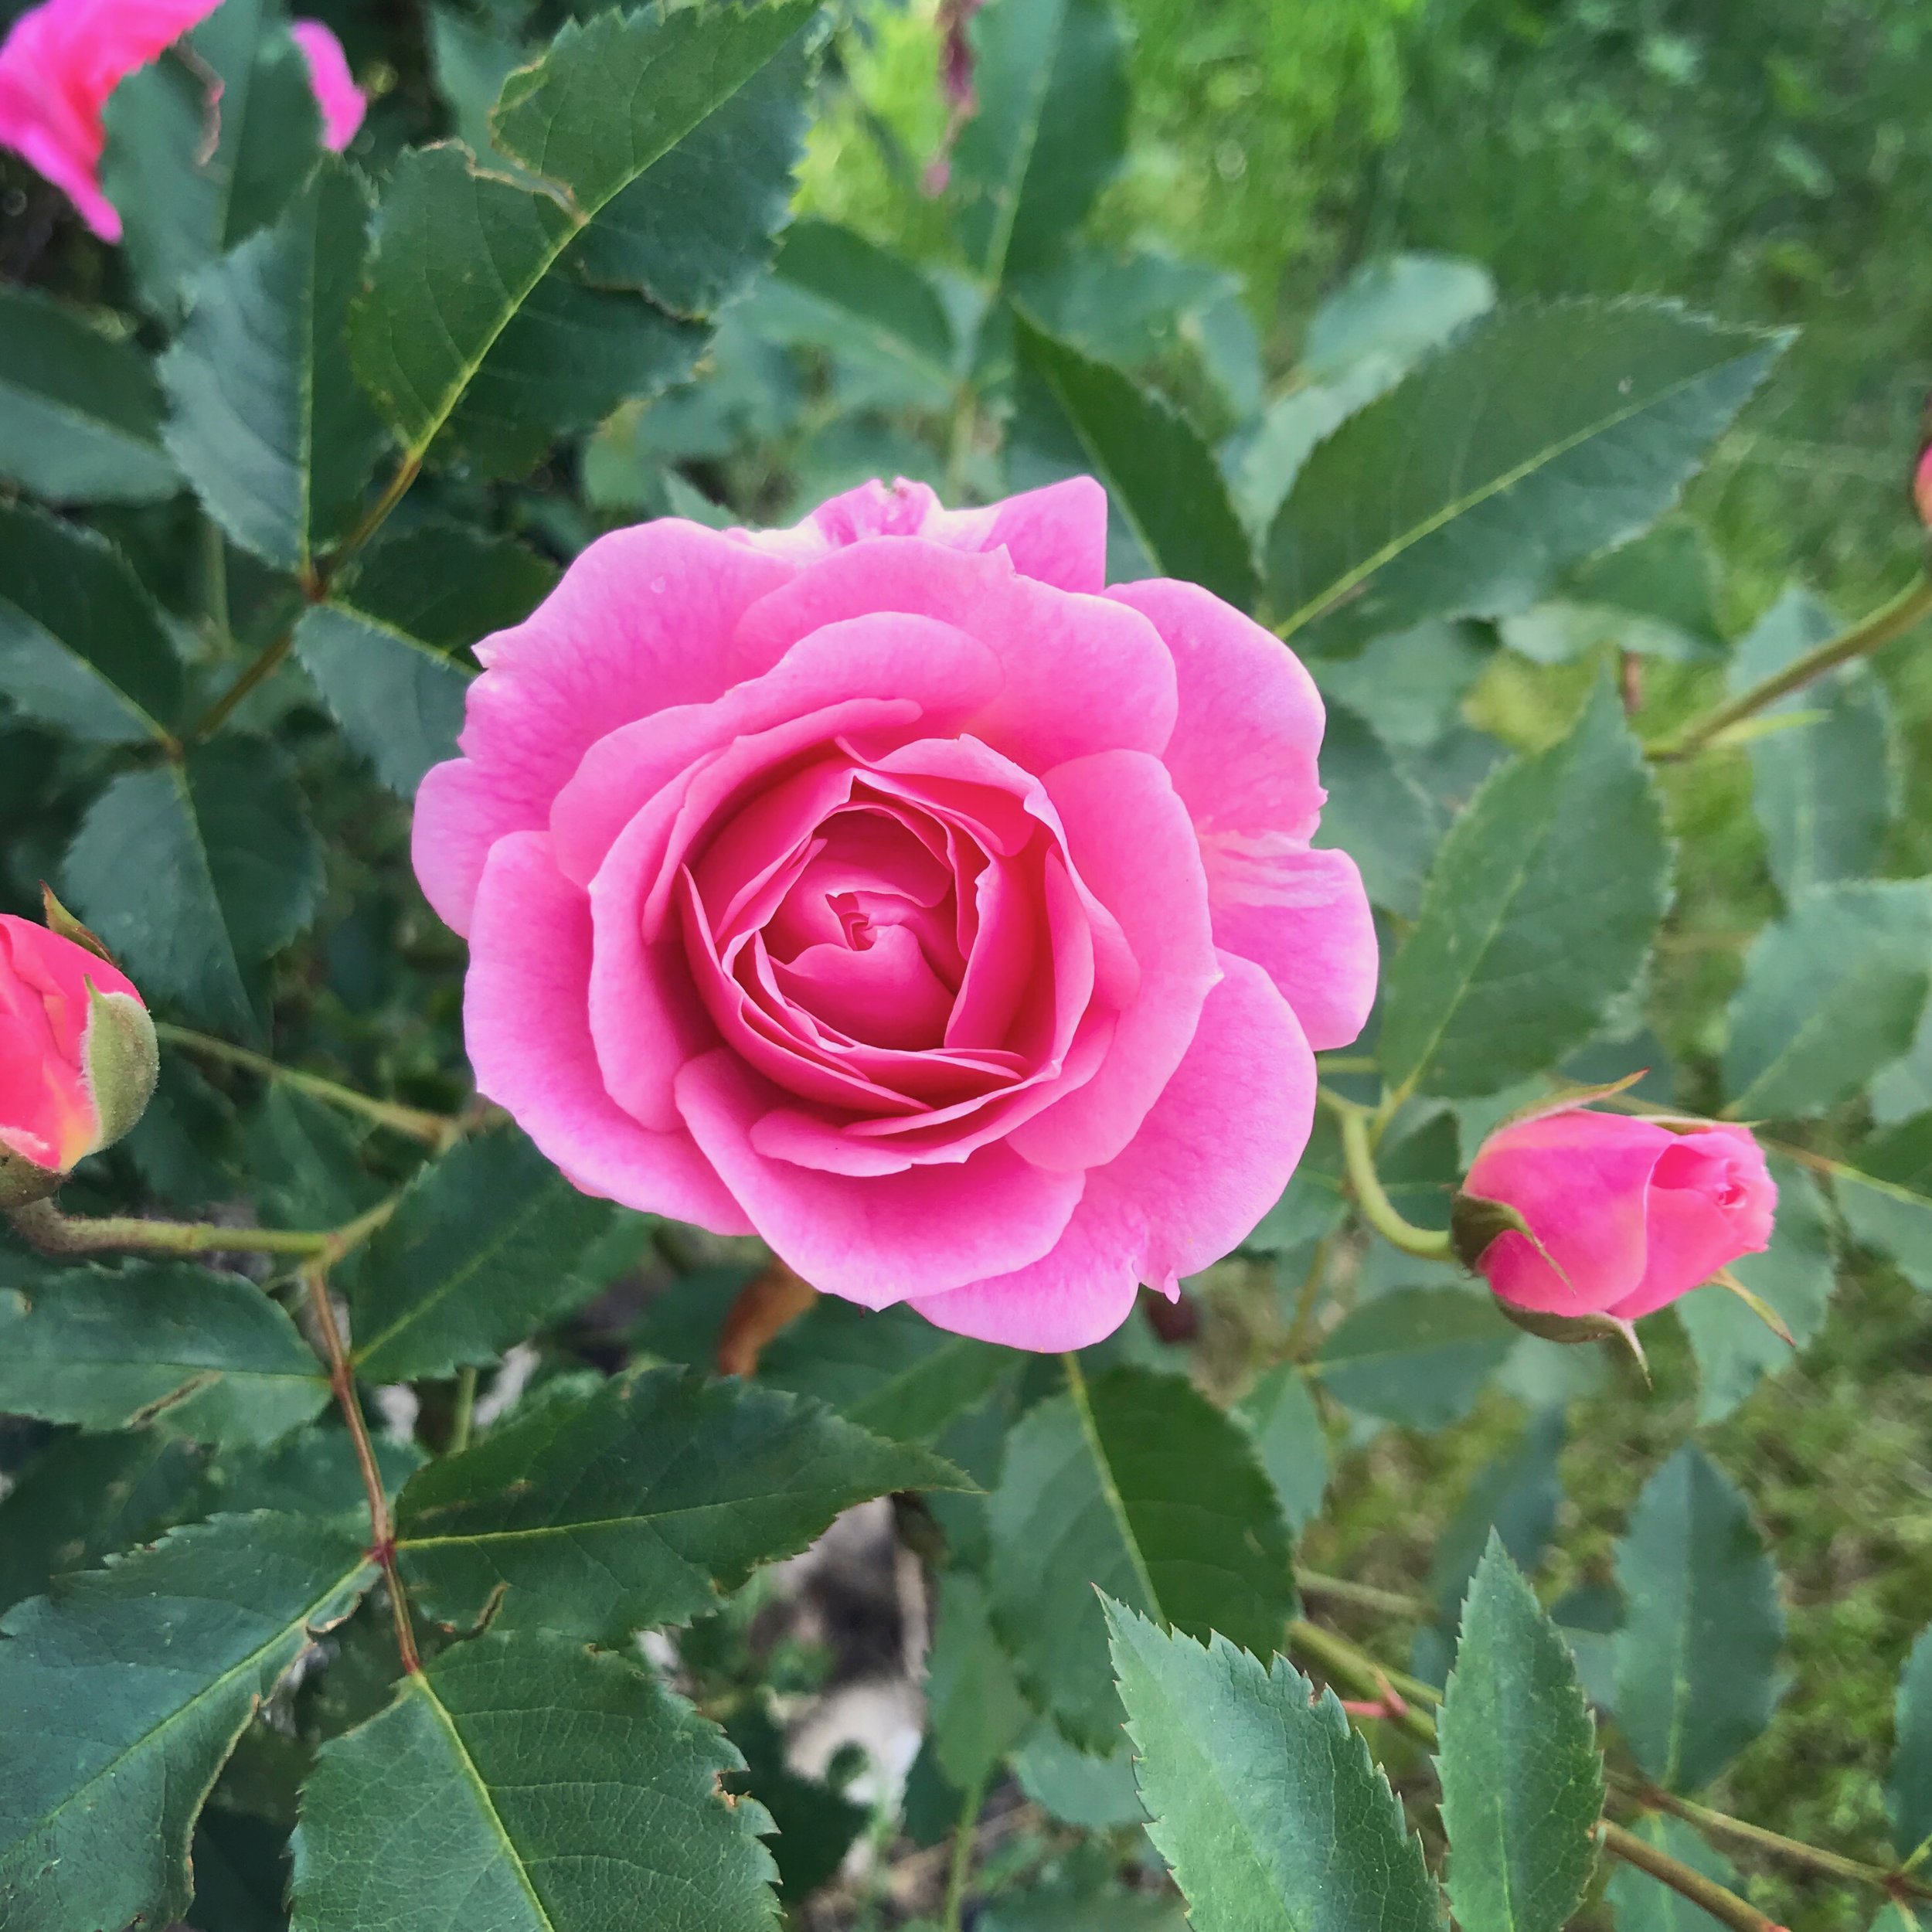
1824 791
524 1784
313 1473
1051 80
1281 1415
1128 311
168 1653
80 409
1644 1904
1887 1198
1063 1907
448 585
1539 911
194 872
638 1505
1168 509
267 422
204 1356
1418 1356
1908 1791
1735 1350
1378 813
1831 991
84 1497
973 1701
1136 1485
192 179
1090 1793
482 1250
1515 1496
305 1161
888 1370
667 140
1313 1204
1522 1783
1540 435
81 646
1697 1654
814 1825
1264 1801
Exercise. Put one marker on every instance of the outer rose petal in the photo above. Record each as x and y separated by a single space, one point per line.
1582 1180
641 621
341 102
1692 1234
1082 674
882 1238
1056 536
1242 757
524 1022
1211 1158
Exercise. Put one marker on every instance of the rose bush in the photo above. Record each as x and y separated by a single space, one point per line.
891 888
77 1057
62 59
1624 1215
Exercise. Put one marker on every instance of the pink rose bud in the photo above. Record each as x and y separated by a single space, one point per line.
77 1057
1922 487
1573 1213
62 59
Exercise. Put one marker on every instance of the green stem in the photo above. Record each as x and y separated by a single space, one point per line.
266 663
1794 1851
1890 620
434 1130
44 1226
1343 1590
961 1869
1306 1297
214 563
1347 1664
1358 1152
463 1417
376 515
959 443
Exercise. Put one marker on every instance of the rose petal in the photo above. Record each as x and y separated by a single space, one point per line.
524 1023
879 1239
1693 1230
1212 1156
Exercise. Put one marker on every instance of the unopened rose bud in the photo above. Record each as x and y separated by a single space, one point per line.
1574 1215
77 1057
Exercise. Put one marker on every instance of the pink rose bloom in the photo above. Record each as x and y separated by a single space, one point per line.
62 59
77 1057
1631 1214
888 887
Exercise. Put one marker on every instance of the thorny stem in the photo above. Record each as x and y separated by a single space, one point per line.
44 1226
1890 620
1358 1152
961 1868
341 1379
433 1130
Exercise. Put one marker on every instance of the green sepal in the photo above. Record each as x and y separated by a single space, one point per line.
57 919
120 1061
1571 1328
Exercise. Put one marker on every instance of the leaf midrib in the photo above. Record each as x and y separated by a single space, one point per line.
1407 540
1110 1489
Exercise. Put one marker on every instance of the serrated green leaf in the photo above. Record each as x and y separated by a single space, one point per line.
1168 509
201 1354
1378 812
887 1370
190 179
266 422
1522 1782
1127 310
79 409
1137 1485
84 1497
974 1708
637 1505
1541 435
1644 1904
1908 1790
815 1825
1418 1356
482 1250
1735 1350
528 1785
1514 1497
1831 991
1264 1802
194 872
1697 1653
1885 1197
1539 911
82 647
168 1652
1824 792
1090 1793
1281 1415
665 141
1050 78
